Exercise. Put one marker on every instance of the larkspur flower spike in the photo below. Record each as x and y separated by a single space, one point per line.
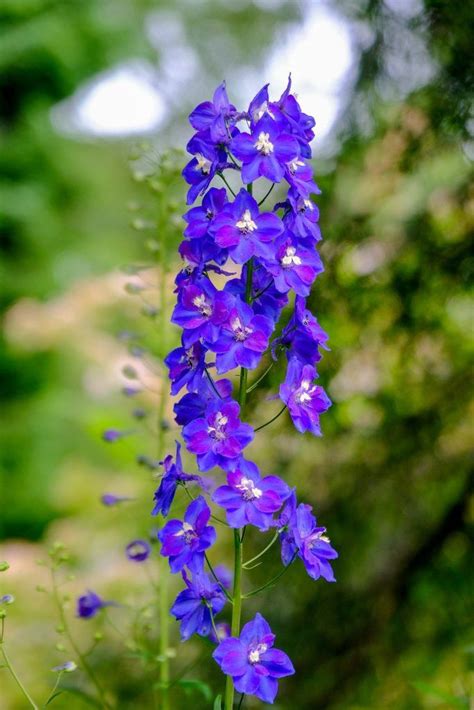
243 264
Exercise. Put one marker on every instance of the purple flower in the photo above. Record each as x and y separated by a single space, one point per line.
186 367
284 523
112 435
184 542
194 605
302 337
207 160
110 499
172 478
293 266
305 400
242 339
314 547
252 661
224 575
89 604
138 550
219 437
223 632
200 219
265 152
300 124
301 217
193 405
266 300
248 498
245 232
212 114
200 310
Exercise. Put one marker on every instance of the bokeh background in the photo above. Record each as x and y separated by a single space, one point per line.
92 94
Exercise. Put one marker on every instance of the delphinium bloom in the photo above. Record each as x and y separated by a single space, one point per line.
194 605
185 541
110 499
200 310
293 266
245 263
265 151
138 550
305 400
248 498
314 547
173 476
243 338
253 663
186 366
89 604
212 115
219 437
302 337
243 230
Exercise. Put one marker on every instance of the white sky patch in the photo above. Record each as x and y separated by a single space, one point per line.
123 101
319 55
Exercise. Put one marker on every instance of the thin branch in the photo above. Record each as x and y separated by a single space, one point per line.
247 565
262 426
226 183
268 193
272 581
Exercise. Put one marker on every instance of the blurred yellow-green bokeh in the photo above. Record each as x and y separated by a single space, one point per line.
93 94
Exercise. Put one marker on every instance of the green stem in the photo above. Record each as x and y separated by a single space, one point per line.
267 194
262 376
227 184
58 679
247 565
236 612
81 656
12 670
262 426
239 534
211 570
163 601
272 581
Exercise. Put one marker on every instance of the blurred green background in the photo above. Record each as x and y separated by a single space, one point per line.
84 87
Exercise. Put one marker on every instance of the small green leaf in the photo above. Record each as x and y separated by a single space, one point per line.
218 703
58 692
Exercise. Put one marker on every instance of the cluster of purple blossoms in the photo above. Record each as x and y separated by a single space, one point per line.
243 265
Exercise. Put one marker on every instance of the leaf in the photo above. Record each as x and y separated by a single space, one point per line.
189 685
58 692
218 703
428 689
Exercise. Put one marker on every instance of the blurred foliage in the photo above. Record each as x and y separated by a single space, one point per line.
390 478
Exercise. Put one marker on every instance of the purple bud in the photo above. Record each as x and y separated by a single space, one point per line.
138 550
111 499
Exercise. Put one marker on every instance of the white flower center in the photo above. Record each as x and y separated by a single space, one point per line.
290 258
249 490
314 539
217 430
305 392
254 655
246 223
189 358
202 305
294 165
264 145
241 332
187 532
203 164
